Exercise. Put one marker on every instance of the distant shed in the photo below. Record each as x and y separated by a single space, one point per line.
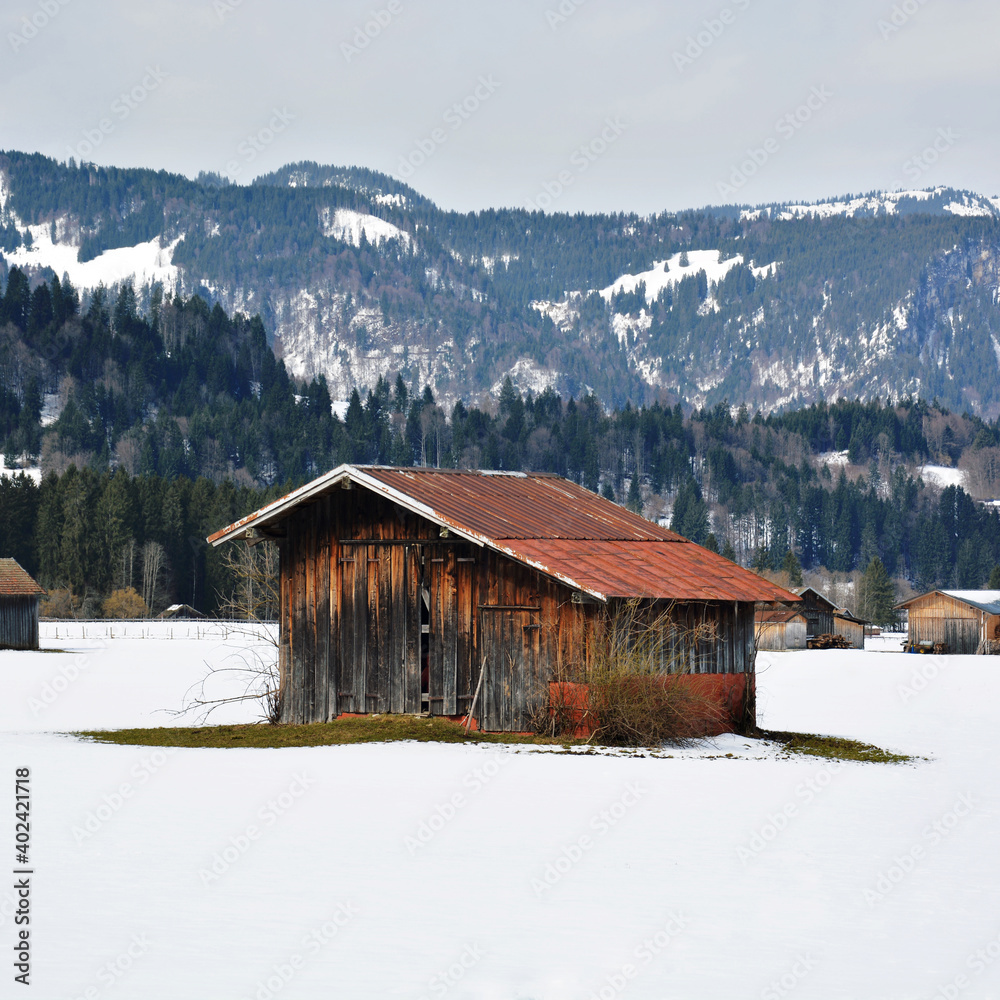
180 611
409 589
850 626
818 611
19 596
780 628
964 621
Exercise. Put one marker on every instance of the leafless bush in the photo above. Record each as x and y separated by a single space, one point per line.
254 602
638 689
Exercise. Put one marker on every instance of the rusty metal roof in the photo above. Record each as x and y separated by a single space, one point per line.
520 505
550 523
15 582
678 569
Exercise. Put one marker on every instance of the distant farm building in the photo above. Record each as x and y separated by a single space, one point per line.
954 621
818 612
780 628
460 593
850 626
181 612
19 596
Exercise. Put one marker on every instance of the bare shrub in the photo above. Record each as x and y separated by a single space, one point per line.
255 602
639 688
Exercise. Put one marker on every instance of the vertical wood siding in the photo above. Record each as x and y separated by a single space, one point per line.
359 579
19 623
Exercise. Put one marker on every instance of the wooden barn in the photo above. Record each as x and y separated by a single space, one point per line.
850 627
19 596
955 621
818 613
780 629
421 590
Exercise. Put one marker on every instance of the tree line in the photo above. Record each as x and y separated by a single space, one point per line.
749 487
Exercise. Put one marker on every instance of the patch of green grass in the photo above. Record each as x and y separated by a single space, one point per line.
394 728
835 748
370 729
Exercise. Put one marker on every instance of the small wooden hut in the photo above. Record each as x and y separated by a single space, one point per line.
850 627
408 590
954 621
19 596
780 629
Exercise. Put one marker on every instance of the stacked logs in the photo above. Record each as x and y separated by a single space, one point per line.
829 641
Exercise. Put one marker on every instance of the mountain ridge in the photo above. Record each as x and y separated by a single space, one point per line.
357 276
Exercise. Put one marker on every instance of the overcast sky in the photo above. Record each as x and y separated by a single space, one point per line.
567 104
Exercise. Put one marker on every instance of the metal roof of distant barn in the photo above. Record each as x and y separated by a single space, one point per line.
15 582
546 522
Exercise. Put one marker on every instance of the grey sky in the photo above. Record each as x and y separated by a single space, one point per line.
549 83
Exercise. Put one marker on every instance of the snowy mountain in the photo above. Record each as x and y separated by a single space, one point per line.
933 201
356 275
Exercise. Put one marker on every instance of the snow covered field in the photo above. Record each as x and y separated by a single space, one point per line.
423 870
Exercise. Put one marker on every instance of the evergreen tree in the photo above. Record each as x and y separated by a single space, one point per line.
876 595
994 581
793 568
634 499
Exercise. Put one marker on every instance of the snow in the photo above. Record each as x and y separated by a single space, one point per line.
656 279
564 314
31 473
941 475
348 225
510 874
834 458
528 376
146 263
885 202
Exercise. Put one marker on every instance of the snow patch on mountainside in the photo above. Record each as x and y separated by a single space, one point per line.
490 263
143 264
942 475
564 314
882 203
348 225
527 375
627 328
31 472
657 279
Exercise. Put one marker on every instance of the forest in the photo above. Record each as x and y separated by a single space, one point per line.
153 430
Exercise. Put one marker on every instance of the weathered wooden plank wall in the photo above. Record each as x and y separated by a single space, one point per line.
19 623
359 579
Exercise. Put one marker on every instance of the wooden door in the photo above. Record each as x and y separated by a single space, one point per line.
372 629
509 644
448 574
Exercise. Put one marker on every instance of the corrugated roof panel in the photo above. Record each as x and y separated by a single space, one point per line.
519 506
671 570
